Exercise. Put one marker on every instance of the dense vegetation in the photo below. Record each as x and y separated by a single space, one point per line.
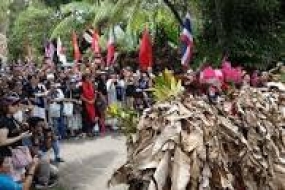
250 32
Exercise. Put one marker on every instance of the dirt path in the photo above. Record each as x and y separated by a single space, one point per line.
90 163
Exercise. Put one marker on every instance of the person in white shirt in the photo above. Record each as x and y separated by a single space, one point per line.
56 97
112 83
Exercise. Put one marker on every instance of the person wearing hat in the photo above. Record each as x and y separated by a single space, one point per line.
11 131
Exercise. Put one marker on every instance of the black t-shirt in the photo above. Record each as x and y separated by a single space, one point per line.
73 93
14 131
119 92
101 86
30 93
130 88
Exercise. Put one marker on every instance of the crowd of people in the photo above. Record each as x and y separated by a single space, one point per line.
40 106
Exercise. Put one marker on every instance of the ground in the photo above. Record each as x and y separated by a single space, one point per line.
89 164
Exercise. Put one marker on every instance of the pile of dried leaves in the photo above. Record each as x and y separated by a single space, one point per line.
189 143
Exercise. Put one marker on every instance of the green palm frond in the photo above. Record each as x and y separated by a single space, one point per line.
121 8
76 6
103 13
139 21
127 117
166 86
66 26
64 30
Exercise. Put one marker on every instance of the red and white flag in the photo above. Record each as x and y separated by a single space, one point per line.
60 52
49 49
187 41
95 43
76 51
111 49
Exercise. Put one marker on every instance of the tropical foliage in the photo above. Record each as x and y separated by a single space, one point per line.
166 87
250 32
127 118
30 30
4 15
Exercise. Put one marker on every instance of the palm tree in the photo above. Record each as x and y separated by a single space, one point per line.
132 15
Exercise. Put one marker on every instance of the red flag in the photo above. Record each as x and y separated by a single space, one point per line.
111 49
77 54
95 43
145 55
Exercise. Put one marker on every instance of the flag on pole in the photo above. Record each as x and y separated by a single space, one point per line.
60 52
76 51
95 43
187 41
111 48
49 50
145 54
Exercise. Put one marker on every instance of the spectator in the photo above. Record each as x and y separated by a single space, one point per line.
129 86
56 98
11 133
6 180
36 93
40 145
120 90
112 82
101 81
74 122
142 96
88 97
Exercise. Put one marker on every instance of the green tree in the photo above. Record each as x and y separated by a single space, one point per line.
250 32
4 16
56 3
30 29
77 16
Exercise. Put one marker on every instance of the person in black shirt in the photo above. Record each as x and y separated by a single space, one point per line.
36 93
72 94
11 133
130 87
101 81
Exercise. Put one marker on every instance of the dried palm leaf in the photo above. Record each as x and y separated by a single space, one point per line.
181 170
199 146
161 173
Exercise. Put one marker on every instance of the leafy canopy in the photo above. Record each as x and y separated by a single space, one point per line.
30 29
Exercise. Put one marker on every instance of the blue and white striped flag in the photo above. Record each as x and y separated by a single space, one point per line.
187 41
